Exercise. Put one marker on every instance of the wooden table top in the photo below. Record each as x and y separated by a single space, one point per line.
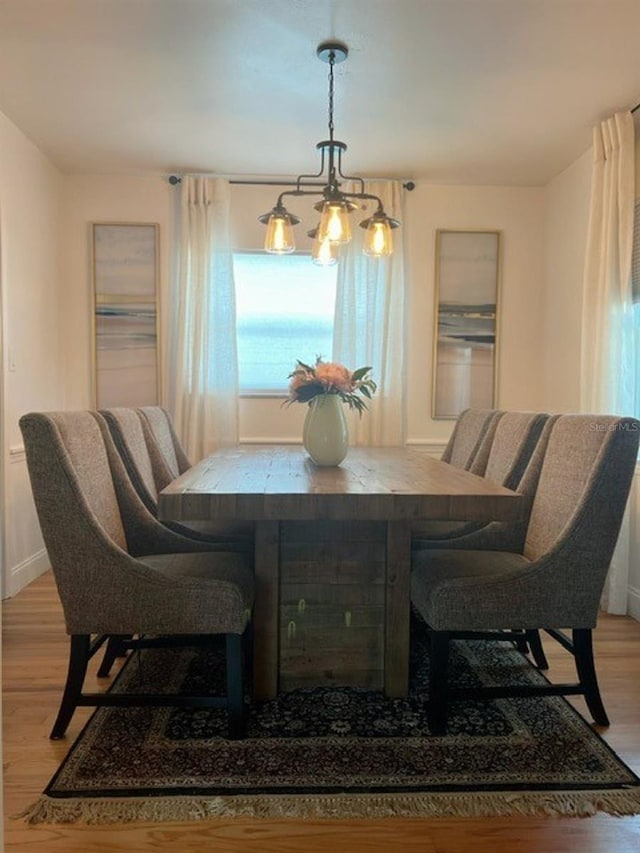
279 482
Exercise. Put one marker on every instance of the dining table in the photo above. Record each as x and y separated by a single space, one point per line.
332 550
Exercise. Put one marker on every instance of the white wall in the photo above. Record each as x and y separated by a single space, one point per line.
30 242
102 198
518 213
566 237
150 198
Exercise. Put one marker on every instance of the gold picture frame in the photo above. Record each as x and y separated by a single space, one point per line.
126 356
466 335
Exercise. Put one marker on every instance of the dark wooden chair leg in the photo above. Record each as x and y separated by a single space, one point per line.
537 652
115 649
78 661
585 666
248 656
519 639
437 711
235 685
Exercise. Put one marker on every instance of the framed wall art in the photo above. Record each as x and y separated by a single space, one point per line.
466 318
125 315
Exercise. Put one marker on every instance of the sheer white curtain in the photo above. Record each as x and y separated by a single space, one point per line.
609 343
203 384
369 327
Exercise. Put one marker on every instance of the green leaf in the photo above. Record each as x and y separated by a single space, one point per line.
360 373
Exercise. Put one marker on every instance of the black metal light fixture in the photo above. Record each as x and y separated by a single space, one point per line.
335 205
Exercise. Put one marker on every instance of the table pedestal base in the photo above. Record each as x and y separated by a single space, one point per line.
332 605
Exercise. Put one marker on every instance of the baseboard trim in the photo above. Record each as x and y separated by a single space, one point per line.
17 454
27 571
633 603
270 440
430 447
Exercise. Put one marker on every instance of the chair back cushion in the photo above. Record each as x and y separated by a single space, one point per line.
78 511
126 430
583 486
515 438
467 436
167 456
70 476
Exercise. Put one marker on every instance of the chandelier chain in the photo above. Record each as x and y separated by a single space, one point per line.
331 64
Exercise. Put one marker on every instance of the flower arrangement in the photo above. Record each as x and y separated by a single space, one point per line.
328 377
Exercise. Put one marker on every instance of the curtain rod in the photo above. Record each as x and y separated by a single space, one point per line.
637 107
176 179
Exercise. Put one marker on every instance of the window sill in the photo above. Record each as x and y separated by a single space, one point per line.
263 395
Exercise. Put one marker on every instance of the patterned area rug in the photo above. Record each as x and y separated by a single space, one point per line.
336 752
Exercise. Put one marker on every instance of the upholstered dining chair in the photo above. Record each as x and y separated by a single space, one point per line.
555 582
121 573
503 460
169 460
472 428
128 433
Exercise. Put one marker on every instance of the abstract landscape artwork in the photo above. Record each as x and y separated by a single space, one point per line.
467 280
125 271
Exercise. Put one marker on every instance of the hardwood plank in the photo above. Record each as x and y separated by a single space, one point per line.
398 598
342 531
342 615
339 594
265 610
34 661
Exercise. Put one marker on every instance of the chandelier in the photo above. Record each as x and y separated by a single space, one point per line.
334 227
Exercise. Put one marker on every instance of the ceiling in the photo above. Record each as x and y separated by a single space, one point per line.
450 91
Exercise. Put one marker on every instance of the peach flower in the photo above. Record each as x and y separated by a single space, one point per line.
335 376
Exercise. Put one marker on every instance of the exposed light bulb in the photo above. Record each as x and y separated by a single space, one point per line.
324 253
279 239
334 222
378 240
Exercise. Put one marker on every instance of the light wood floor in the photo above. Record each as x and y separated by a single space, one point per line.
35 650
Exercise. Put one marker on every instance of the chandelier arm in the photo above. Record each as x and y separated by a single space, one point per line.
302 178
298 192
364 195
348 177
354 178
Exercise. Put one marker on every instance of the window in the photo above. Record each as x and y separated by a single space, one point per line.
284 311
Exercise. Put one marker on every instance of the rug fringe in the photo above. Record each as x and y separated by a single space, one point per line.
338 807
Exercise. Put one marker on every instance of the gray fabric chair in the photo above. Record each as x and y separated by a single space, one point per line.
120 573
127 428
169 460
467 438
502 457
557 578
